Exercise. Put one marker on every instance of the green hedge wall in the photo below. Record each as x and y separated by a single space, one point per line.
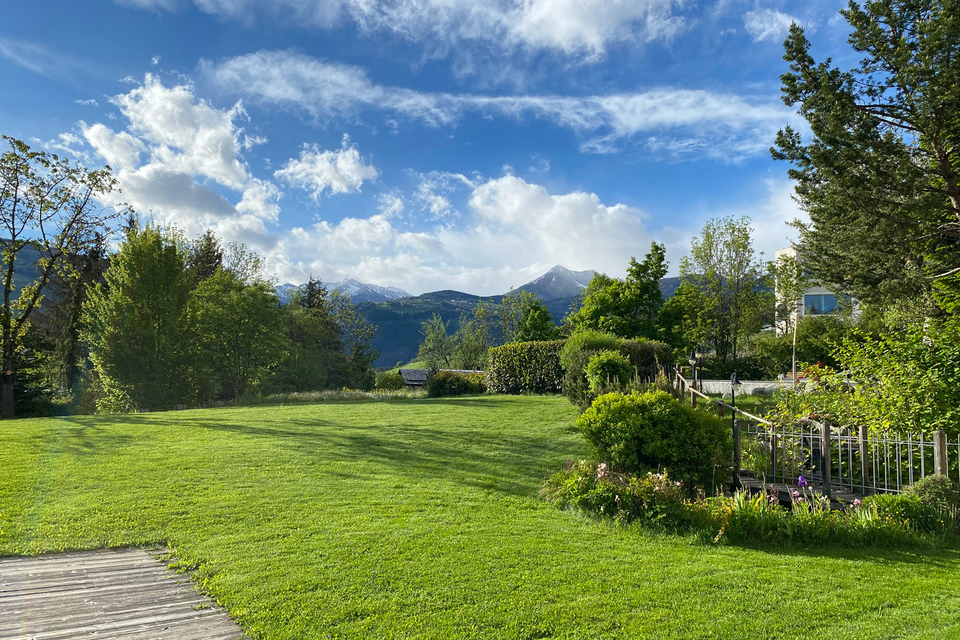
526 367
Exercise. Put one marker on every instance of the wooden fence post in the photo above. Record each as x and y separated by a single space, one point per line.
940 453
736 453
864 459
825 461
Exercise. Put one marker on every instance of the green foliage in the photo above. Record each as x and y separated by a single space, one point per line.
652 431
587 340
316 356
903 381
648 358
49 208
939 492
817 338
453 383
879 175
536 325
911 511
628 308
138 327
389 381
436 350
239 331
728 294
526 367
605 368
652 498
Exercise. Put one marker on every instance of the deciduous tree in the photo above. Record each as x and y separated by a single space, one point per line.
53 207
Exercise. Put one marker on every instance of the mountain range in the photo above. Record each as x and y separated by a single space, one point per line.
398 315
358 291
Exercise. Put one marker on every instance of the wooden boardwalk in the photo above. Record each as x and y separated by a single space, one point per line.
124 593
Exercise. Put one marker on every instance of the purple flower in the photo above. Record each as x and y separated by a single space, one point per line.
801 482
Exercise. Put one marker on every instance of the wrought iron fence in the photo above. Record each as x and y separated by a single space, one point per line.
845 458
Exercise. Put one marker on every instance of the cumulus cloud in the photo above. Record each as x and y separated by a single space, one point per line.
768 24
519 227
670 121
176 156
580 27
340 171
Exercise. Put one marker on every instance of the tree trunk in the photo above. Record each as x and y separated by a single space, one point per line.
6 398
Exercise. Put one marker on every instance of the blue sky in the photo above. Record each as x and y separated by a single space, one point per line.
423 144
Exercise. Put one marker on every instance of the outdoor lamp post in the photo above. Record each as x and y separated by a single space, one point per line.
734 385
693 367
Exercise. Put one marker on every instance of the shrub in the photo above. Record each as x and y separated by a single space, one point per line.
389 381
648 358
939 492
651 431
607 368
588 340
652 498
526 367
452 383
575 385
911 511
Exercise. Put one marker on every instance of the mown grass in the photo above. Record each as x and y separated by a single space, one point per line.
420 518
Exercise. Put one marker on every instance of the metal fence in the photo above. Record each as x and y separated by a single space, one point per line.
836 459
844 458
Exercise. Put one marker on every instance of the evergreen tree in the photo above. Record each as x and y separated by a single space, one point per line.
206 257
880 177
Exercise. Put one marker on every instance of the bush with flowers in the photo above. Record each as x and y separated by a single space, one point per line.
594 488
656 499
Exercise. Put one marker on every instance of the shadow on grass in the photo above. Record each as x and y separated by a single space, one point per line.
468 452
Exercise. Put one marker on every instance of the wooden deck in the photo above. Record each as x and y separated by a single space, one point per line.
124 593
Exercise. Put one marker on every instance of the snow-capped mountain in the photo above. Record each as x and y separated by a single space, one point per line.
358 291
559 282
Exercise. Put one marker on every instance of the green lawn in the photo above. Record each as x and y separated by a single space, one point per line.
420 518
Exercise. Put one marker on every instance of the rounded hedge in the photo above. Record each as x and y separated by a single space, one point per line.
588 340
652 431
608 368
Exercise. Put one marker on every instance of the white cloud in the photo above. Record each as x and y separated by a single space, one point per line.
579 27
433 189
671 121
176 158
339 171
154 61
87 103
391 204
518 226
768 24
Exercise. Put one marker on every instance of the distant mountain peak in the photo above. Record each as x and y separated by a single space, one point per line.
358 291
558 282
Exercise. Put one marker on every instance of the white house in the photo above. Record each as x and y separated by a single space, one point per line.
815 300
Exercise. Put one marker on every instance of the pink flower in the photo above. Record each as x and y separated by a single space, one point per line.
799 499
857 502
796 494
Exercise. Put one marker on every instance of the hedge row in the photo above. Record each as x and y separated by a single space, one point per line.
526 367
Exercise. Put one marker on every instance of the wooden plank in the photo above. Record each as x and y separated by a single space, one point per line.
124 594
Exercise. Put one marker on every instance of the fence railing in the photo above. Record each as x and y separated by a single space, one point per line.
835 459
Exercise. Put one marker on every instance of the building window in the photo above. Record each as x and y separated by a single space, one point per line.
815 304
